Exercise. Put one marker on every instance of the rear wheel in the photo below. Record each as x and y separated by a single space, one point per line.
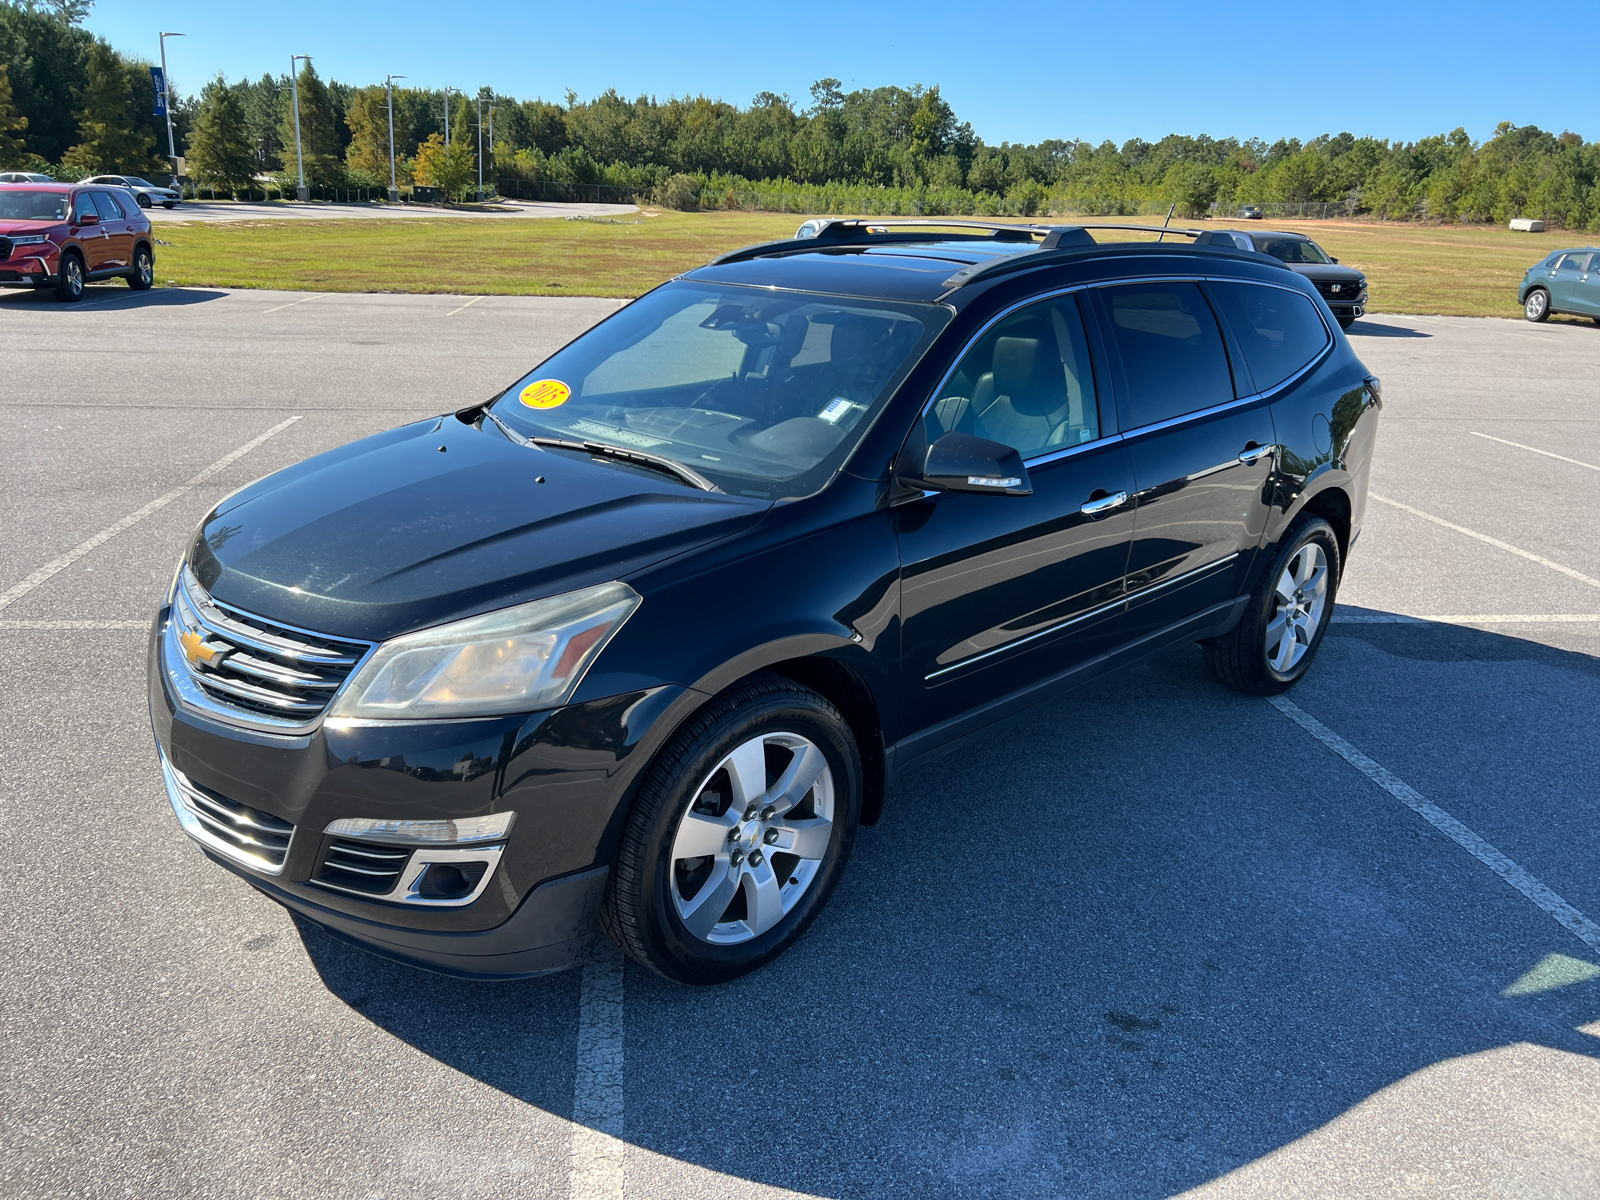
739 833
69 281
1537 306
1283 625
144 270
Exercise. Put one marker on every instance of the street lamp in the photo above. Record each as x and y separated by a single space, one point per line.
302 193
492 107
394 187
480 147
447 92
166 103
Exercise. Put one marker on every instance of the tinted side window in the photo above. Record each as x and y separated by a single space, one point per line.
1279 330
109 209
1572 262
1172 355
1027 383
83 206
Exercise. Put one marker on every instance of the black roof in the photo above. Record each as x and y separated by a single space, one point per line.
927 260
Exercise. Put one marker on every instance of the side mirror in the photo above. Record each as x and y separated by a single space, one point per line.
1331 258
960 462
88 219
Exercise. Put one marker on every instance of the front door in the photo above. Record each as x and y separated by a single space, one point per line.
1566 282
91 237
1586 297
1202 462
1000 592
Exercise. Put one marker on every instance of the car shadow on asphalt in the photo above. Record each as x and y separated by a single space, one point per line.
1371 328
1142 938
99 298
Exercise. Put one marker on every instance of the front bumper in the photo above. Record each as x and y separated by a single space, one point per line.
566 774
29 266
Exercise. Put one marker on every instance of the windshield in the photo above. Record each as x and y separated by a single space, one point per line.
1294 250
135 181
762 392
33 206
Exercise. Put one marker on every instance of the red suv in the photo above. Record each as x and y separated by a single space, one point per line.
61 236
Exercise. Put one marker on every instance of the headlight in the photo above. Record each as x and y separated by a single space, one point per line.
516 660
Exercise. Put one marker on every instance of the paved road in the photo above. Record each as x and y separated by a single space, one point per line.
277 210
1159 937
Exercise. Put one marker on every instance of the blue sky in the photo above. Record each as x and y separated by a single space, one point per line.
1018 72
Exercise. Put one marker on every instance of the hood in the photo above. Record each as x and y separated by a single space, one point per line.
1326 272
439 520
10 227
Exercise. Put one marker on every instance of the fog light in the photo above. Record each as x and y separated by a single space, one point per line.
450 881
489 828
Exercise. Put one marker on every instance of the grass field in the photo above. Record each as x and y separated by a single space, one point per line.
1456 271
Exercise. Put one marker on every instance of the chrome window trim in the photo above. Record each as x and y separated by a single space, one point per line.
1040 460
178 791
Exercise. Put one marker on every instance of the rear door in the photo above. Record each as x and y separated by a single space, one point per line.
1202 452
1001 592
114 225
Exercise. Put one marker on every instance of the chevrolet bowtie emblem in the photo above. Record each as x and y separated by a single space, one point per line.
196 650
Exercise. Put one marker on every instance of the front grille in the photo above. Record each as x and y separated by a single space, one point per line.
6 246
235 829
362 867
258 667
1346 294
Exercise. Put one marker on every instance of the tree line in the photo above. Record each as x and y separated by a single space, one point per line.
71 105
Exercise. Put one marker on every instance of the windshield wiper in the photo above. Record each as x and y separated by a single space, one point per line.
660 462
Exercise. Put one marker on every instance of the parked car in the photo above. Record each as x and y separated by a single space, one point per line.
24 177
1344 288
1567 281
145 192
1251 213
640 641
61 236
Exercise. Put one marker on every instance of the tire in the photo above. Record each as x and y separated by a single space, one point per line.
69 280
169 204
1345 322
144 269
1537 306
143 200
1264 656
714 916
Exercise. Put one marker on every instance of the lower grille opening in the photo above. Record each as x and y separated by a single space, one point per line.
249 830
362 867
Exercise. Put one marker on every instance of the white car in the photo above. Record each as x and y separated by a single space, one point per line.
24 177
145 192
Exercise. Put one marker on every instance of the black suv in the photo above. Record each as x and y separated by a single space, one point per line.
1344 288
641 641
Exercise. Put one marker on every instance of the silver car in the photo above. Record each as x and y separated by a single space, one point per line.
24 177
145 192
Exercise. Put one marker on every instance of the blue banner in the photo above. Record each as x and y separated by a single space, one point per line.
161 91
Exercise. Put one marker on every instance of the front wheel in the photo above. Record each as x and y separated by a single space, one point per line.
1274 643
739 833
144 201
69 280
144 270
169 204
1345 322
1537 306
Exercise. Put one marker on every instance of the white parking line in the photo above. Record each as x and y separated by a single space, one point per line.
1568 917
18 590
1467 619
1575 462
292 303
74 624
597 1149
1484 537
465 306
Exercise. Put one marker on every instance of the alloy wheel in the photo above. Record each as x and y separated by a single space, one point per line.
73 270
1299 599
753 839
145 267
1536 304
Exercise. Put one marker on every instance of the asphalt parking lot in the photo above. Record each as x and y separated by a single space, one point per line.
1156 938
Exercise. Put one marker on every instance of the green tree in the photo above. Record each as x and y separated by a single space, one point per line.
13 147
113 138
451 169
220 149
319 130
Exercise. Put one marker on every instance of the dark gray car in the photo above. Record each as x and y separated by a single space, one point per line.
1344 288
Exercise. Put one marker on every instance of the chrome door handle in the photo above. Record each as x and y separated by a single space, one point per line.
1093 508
1254 454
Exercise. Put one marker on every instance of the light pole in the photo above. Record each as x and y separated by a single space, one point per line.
492 107
302 193
447 92
166 103
480 147
394 187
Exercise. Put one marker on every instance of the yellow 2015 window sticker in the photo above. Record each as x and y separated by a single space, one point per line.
546 393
